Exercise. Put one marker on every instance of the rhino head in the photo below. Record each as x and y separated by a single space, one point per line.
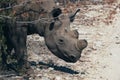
62 41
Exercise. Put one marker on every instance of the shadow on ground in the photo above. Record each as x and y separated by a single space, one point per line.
55 67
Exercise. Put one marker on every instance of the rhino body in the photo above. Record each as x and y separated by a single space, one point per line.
53 26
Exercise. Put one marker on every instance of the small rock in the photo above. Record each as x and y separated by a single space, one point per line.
117 42
50 68
83 73
38 75
94 47
17 78
38 69
68 78
100 33
110 53
98 44
45 78
57 78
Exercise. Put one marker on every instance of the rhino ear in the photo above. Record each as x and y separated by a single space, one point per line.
51 26
56 12
72 16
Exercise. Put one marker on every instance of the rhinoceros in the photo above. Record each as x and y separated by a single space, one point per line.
52 25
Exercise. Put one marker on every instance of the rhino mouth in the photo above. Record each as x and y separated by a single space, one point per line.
68 58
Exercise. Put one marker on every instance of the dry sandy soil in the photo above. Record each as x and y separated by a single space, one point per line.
99 25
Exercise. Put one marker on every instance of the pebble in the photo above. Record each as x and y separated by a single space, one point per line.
98 44
117 42
58 78
50 68
38 69
45 78
83 73
100 33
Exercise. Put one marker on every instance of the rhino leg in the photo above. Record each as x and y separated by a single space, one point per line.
5 54
4 58
19 42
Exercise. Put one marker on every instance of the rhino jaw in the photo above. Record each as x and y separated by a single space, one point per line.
64 55
70 52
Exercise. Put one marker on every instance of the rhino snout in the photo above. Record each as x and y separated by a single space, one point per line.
81 44
74 58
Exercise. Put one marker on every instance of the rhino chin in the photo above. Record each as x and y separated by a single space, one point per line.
70 60
63 56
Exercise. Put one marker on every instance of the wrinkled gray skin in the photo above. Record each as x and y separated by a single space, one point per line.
60 40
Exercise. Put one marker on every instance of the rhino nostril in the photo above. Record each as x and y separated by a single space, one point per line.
85 41
72 57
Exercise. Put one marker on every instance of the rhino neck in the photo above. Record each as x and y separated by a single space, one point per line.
42 26
35 29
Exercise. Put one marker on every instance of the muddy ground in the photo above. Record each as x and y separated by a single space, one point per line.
99 25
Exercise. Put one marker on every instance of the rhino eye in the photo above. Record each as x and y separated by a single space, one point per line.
61 41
